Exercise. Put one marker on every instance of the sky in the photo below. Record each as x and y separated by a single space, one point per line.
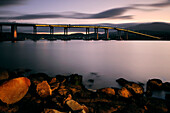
84 11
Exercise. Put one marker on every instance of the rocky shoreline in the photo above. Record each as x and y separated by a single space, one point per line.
40 93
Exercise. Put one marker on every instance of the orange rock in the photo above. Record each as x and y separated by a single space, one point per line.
14 90
109 91
43 89
123 92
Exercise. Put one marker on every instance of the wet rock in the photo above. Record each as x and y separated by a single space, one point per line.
156 105
76 89
52 111
74 106
63 92
135 88
21 71
166 86
123 92
53 80
154 84
14 90
108 91
7 109
75 79
91 80
167 98
122 81
39 77
62 78
4 75
43 89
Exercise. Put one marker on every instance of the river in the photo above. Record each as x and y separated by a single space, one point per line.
103 61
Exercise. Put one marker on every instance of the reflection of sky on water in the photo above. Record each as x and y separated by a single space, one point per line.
110 60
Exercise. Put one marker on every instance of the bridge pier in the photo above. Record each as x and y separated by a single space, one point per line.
1 31
87 32
65 30
51 30
127 36
14 32
96 33
107 33
34 30
119 34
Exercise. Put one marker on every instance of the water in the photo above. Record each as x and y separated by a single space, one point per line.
103 61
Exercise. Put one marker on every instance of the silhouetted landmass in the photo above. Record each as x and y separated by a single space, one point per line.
158 29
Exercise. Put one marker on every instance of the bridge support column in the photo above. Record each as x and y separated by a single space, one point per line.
66 31
96 33
51 30
127 36
107 33
34 30
0 31
87 32
119 35
14 32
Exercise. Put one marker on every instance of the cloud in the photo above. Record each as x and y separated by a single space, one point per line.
10 2
161 4
115 13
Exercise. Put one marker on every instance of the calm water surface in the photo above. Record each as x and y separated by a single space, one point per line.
103 61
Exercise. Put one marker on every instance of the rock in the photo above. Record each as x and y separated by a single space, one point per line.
75 79
135 88
154 84
108 91
39 77
63 91
167 98
14 90
7 109
52 111
123 92
21 71
43 89
122 81
166 86
156 105
4 75
61 78
91 80
74 106
53 80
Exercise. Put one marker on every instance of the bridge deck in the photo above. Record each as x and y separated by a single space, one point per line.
79 26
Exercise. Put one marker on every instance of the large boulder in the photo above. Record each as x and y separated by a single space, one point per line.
43 89
14 90
135 88
154 84
122 81
76 107
75 79
124 92
108 91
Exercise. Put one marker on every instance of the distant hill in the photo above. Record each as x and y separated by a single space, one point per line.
156 26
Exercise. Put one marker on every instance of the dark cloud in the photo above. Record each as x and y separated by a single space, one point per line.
112 13
161 4
10 2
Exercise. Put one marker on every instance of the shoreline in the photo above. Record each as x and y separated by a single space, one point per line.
62 92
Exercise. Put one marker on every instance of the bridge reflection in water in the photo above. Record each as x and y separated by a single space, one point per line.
66 27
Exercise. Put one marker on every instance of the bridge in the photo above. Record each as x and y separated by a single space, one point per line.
106 29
